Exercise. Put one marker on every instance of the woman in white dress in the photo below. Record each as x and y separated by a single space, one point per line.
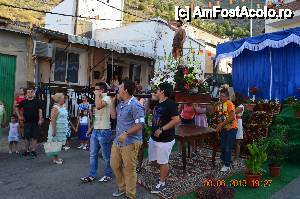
239 136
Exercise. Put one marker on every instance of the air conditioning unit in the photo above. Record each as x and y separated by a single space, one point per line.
42 49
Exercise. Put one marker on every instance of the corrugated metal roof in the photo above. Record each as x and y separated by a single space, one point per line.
14 30
51 32
120 48
124 49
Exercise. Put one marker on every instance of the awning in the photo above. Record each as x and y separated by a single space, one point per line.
120 48
279 39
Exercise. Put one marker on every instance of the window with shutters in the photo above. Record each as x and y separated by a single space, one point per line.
66 66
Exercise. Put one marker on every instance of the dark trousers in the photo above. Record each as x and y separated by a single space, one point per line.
227 142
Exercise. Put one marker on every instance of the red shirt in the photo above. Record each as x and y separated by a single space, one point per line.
19 99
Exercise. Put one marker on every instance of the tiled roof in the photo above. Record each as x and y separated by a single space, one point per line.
294 5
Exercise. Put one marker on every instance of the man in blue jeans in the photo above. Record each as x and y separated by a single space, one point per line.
228 127
101 136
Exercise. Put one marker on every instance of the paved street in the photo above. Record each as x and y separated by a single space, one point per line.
26 178
290 191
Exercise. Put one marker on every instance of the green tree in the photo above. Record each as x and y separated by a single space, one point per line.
141 6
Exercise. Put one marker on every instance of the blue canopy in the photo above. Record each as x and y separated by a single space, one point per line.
274 40
270 62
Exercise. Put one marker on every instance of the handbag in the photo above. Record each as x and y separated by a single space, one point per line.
52 148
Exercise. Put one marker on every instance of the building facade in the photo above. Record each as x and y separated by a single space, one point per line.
85 16
273 25
211 41
154 38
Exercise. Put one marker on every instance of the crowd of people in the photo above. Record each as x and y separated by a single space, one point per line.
120 151
115 84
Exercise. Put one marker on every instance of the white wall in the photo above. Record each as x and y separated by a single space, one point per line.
93 8
224 68
86 8
142 36
61 23
16 44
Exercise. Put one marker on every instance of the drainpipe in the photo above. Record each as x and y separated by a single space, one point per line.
37 72
36 62
91 63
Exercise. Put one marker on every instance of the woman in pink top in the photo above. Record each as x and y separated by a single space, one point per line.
187 113
200 115
187 118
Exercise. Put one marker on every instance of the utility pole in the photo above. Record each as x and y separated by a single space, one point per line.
251 23
76 18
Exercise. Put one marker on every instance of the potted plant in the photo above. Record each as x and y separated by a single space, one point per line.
275 151
296 107
275 146
248 104
290 100
147 130
257 156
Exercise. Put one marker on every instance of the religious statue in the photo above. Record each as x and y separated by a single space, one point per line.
178 39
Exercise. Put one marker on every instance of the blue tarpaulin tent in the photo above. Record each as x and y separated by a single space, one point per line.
271 62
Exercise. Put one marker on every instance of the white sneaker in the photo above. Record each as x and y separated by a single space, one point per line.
84 147
158 188
66 148
80 147
225 168
105 179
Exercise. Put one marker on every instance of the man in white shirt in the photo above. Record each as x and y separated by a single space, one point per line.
101 136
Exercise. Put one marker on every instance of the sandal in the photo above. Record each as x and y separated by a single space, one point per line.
87 179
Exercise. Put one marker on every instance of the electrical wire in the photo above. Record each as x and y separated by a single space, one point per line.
61 14
126 12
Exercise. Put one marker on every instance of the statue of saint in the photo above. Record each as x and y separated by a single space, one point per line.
178 39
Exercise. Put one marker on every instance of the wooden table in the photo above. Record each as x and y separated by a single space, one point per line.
189 133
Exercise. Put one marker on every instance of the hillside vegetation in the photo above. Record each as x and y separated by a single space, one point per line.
233 28
25 15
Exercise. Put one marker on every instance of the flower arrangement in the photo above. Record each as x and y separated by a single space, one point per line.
186 77
247 100
191 76
166 73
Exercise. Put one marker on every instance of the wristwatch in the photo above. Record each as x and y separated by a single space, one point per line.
161 129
